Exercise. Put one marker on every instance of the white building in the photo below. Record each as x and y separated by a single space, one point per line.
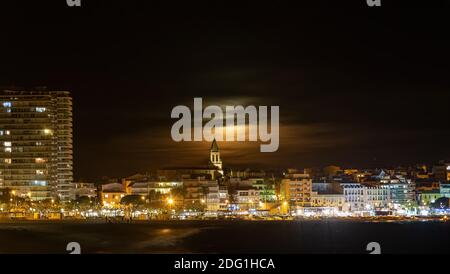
224 199
377 196
81 189
145 188
334 201
247 198
366 197
212 197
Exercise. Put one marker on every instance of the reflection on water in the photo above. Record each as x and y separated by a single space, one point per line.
333 236
166 230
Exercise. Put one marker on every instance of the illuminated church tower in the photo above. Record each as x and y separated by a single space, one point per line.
214 156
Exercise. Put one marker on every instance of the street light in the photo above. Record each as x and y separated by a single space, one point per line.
284 207
13 193
47 131
170 201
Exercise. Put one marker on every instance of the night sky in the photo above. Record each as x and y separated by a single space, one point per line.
356 86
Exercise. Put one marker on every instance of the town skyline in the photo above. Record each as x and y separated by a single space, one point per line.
221 136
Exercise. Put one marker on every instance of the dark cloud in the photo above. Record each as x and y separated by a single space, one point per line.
355 86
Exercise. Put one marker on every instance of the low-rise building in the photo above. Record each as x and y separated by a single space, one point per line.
146 188
442 171
212 197
333 201
247 198
112 194
427 197
444 189
426 185
224 198
81 189
201 194
246 173
139 188
266 189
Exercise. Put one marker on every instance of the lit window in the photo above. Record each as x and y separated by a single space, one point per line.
8 161
106 195
40 160
48 131
7 149
8 132
7 144
39 143
7 104
39 109
39 172
40 183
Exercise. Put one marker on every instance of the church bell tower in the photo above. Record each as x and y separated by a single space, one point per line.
214 156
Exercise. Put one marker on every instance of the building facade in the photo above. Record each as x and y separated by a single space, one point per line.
267 191
377 196
442 171
361 197
354 196
36 144
296 189
81 189
224 198
402 193
247 198
427 197
336 201
112 194
212 197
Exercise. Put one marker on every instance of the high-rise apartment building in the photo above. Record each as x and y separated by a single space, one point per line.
36 144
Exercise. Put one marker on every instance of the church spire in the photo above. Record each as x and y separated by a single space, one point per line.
214 146
214 156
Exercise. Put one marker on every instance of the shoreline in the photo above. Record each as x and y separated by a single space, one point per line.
219 221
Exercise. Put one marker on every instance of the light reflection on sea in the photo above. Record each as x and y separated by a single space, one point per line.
313 236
